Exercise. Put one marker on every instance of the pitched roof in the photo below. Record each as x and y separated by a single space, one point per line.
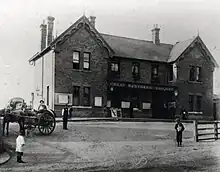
179 48
130 47
138 49
68 31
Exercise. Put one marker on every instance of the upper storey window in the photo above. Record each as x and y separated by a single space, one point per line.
115 67
136 70
86 61
76 60
195 73
172 72
155 74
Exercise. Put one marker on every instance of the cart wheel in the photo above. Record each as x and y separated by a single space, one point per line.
47 123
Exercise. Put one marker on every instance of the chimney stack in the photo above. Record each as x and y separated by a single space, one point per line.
92 20
156 35
50 29
43 27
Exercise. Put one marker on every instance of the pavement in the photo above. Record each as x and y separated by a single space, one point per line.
115 146
83 119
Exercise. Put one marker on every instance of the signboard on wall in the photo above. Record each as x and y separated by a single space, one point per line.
63 98
141 86
125 104
98 101
146 105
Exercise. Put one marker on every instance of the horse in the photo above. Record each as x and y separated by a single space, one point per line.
11 117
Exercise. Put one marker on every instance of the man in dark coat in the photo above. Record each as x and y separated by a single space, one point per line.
179 127
65 116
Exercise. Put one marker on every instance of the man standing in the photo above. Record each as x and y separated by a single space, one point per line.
19 146
179 127
65 117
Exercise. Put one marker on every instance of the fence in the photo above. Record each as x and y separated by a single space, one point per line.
209 129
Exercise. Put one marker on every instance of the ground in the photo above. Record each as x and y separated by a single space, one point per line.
115 146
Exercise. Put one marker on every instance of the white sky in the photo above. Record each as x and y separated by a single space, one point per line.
20 31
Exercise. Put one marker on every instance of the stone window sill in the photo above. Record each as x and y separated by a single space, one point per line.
81 70
82 107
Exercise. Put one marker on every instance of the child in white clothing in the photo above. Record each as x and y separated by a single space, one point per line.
20 142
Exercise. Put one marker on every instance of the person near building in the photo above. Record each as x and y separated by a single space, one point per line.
179 127
20 142
65 114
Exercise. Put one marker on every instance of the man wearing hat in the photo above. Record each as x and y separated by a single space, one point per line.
19 146
179 127
65 116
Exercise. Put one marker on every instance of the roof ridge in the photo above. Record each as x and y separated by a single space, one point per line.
135 39
126 37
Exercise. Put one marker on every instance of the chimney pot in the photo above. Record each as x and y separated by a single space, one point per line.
92 20
156 34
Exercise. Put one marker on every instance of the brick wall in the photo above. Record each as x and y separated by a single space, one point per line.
145 71
205 88
66 76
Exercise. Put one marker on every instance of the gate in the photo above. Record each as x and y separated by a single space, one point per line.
206 130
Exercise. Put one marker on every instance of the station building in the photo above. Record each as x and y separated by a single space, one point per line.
92 71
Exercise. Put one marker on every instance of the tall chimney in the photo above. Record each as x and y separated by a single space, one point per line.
156 35
92 20
43 27
50 29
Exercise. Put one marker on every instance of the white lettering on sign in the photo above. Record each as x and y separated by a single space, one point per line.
148 87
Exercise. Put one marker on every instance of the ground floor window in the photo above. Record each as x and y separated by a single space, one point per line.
48 95
198 103
191 103
76 96
86 96
195 103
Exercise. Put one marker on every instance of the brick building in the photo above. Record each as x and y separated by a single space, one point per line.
91 71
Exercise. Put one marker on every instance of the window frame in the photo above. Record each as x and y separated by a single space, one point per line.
87 60
191 106
48 95
154 77
111 67
73 93
76 62
86 97
199 107
198 73
135 70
